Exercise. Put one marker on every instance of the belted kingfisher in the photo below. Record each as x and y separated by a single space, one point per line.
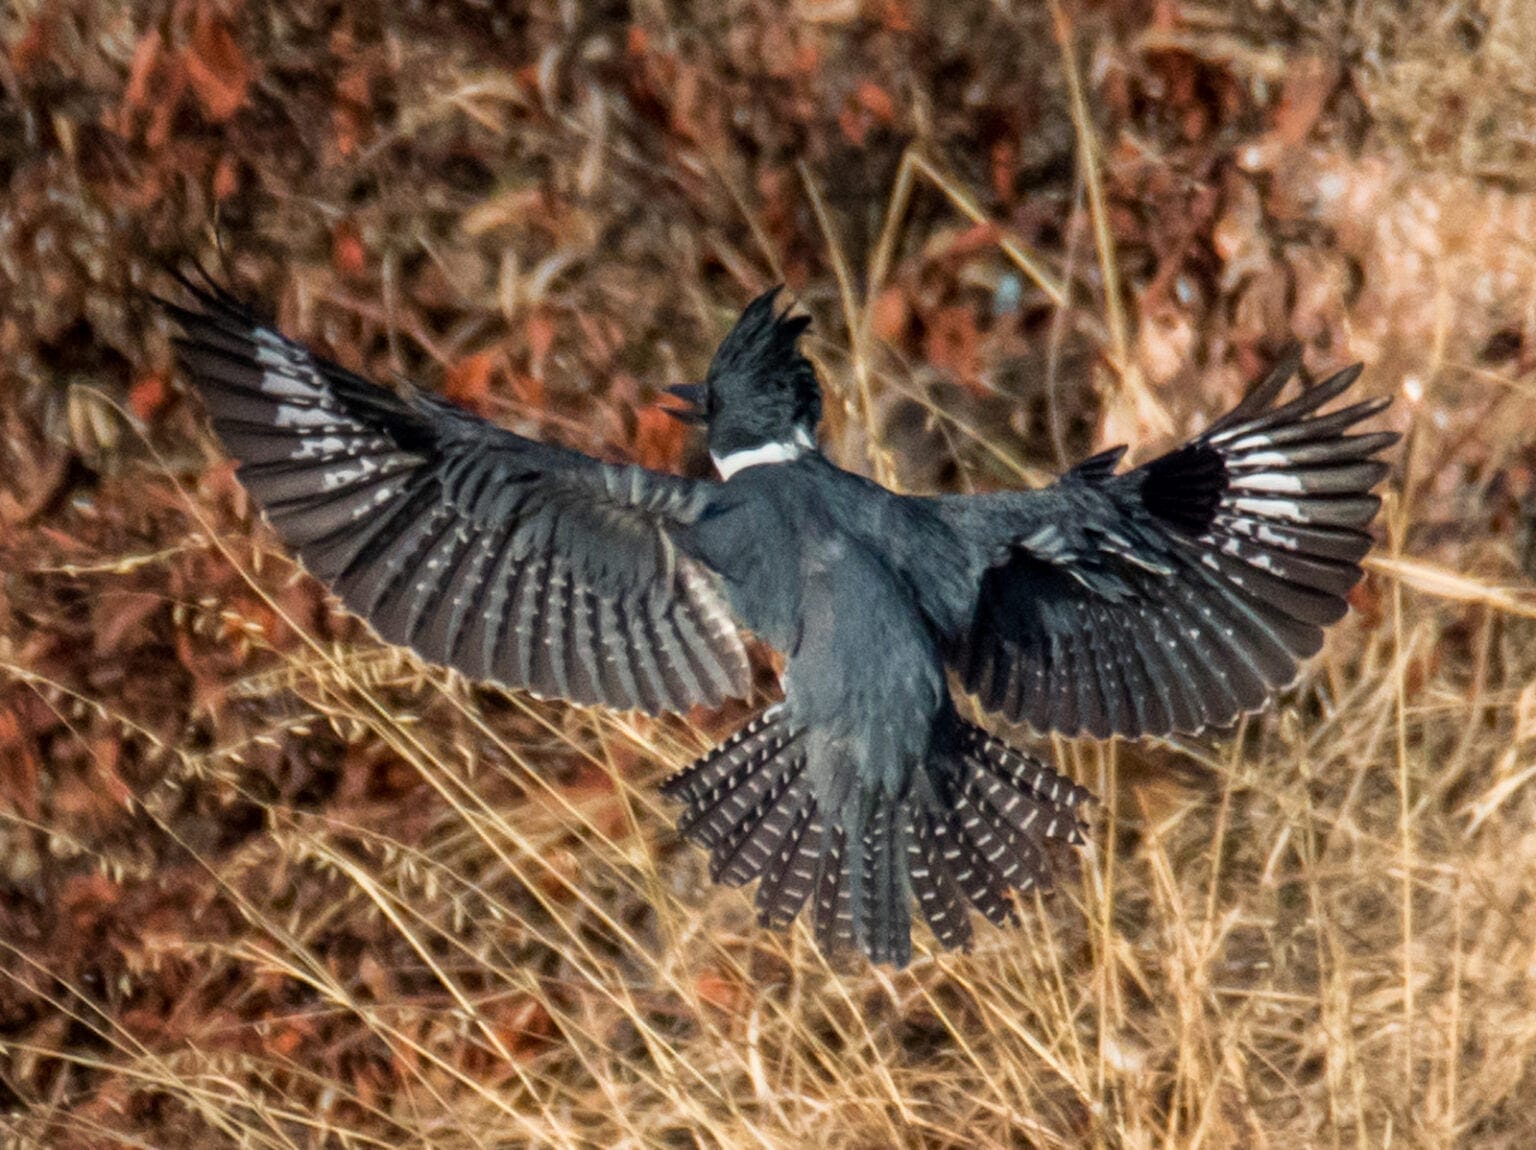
1164 599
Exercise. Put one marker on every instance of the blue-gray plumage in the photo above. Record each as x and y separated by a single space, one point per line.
1163 599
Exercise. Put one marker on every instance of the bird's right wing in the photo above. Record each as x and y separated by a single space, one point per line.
509 560
1180 594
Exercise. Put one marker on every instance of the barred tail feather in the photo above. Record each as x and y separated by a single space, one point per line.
788 878
929 863
981 821
736 793
997 837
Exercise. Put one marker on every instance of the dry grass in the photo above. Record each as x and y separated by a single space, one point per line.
265 884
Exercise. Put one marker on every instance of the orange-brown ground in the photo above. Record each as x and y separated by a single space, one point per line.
264 883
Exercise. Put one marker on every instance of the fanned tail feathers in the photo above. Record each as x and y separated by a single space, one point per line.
978 823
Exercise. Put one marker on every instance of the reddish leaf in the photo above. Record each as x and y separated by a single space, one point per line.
123 621
877 101
896 15
1005 164
1309 82
34 45
350 127
283 1039
17 748
659 438
251 616
468 381
975 238
217 68
952 344
167 98
854 124
541 337
719 991
889 315
146 55
528 390
527 1028
352 87
226 177
84 898
348 255
106 753
147 396
352 116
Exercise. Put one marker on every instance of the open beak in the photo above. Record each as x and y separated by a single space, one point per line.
693 395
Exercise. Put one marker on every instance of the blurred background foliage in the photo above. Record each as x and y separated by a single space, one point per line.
265 883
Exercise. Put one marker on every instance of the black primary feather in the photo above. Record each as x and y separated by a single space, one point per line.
1185 592
510 560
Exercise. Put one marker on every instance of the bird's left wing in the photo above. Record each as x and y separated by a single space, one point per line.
510 560
1180 594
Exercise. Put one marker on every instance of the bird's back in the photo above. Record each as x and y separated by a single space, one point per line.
806 551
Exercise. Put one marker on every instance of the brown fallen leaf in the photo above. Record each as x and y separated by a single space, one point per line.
148 395
348 255
217 68
468 380
146 57
719 991
659 439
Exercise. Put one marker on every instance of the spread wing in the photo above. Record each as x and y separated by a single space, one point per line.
1182 593
509 560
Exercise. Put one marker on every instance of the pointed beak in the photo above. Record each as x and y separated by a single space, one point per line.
693 395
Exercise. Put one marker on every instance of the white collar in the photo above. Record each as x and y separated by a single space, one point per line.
778 452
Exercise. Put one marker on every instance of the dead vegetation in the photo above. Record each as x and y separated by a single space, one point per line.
263 883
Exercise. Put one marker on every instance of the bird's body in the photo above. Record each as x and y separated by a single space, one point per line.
1162 599
860 621
862 628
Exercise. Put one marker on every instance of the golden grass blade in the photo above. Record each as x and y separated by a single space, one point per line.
1444 583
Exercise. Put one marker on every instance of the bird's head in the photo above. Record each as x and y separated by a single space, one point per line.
760 399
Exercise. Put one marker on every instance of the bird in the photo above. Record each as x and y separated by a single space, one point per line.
1164 599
